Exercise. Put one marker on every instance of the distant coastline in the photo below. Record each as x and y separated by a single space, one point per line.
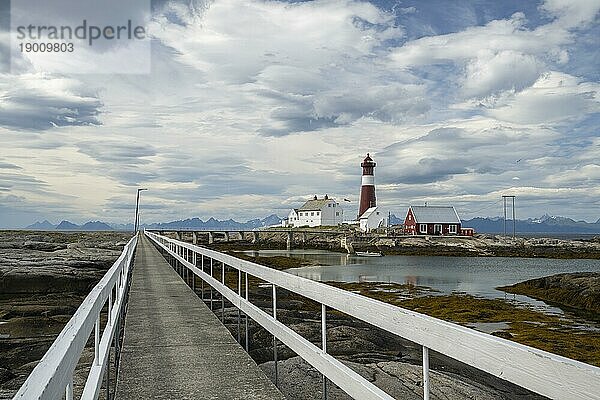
545 226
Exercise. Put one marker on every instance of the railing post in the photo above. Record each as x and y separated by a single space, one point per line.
222 298
69 390
324 343
275 337
425 373
187 269
239 337
110 300
202 280
97 341
195 259
117 344
107 376
211 288
246 316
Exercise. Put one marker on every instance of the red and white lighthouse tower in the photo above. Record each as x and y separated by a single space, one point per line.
367 189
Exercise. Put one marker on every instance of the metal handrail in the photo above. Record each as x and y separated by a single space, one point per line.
542 372
52 378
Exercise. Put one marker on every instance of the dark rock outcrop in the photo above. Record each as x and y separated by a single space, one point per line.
44 276
579 290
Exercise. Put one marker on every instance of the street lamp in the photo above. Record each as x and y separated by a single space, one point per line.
137 209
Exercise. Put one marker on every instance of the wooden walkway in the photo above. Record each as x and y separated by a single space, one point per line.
174 347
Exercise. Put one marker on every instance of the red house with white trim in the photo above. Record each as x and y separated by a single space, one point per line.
434 220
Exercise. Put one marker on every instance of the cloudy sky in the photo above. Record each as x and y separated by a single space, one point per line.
252 106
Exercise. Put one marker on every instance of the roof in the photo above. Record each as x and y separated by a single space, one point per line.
367 162
435 214
368 213
314 205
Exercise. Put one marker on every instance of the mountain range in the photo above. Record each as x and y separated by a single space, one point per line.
186 224
544 224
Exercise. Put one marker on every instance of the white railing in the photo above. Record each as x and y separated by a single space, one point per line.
545 373
52 378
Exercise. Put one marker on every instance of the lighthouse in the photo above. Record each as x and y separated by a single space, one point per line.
367 188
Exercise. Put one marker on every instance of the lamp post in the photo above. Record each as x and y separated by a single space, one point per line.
137 209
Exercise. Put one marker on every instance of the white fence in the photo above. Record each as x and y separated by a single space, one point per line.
52 378
539 371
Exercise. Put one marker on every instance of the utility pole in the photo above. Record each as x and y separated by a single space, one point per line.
504 220
137 210
504 197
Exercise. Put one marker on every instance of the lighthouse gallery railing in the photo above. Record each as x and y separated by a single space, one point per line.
539 371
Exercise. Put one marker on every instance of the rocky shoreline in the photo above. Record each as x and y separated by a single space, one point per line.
389 361
44 277
575 290
481 245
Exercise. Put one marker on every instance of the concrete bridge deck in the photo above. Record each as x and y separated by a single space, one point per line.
174 347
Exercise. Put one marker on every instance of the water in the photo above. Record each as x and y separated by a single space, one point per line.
478 276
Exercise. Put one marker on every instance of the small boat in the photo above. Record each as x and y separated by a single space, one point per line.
368 254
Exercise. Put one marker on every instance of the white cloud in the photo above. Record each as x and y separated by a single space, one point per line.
503 54
586 175
497 36
552 98
495 72
35 101
304 66
572 13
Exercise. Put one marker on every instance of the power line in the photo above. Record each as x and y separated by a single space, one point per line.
488 206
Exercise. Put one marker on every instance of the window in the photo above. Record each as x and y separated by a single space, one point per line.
328 205
409 217
452 229
318 213
312 214
423 228
337 214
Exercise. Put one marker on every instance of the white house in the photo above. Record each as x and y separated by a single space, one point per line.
373 218
316 212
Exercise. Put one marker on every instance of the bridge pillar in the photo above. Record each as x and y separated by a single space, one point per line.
178 235
255 237
241 235
304 237
211 237
194 237
290 240
227 236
